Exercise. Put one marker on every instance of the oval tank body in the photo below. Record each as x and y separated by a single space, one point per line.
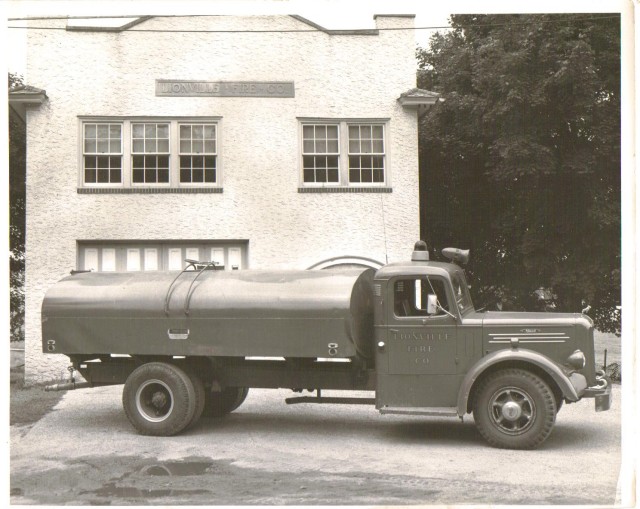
212 313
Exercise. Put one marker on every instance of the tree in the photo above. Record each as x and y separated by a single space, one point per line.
521 163
17 190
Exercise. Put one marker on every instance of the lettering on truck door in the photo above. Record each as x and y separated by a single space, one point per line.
420 343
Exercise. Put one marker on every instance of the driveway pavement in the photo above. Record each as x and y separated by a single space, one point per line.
267 452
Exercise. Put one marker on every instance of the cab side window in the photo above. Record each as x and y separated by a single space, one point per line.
410 296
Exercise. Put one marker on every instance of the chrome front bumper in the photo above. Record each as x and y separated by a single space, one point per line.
601 392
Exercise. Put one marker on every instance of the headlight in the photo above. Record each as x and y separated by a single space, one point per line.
576 360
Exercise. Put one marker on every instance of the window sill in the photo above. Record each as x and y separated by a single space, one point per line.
149 190
341 189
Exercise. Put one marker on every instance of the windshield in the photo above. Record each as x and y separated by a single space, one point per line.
461 292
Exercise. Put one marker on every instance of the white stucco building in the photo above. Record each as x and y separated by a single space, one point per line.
254 141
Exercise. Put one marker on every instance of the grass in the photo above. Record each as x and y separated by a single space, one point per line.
28 404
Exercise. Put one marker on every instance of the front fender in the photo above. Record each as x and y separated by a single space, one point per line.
519 355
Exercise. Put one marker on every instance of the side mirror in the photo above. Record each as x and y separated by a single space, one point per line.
432 304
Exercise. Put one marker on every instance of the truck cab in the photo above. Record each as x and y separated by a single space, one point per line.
437 355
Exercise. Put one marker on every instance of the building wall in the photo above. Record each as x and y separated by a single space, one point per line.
113 74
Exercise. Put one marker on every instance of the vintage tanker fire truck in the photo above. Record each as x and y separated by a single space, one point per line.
196 341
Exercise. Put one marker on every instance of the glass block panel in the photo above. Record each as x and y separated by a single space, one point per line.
108 260
150 259
133 259
90 259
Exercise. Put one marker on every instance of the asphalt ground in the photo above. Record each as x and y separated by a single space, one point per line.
85 452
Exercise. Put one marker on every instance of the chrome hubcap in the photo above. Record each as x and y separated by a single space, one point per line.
154 400
512 410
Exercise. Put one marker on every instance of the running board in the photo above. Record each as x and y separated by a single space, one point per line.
432 411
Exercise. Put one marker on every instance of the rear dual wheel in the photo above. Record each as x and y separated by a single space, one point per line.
161 399
221 403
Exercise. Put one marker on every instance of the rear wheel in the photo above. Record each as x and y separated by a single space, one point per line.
514 409
221 403
159 399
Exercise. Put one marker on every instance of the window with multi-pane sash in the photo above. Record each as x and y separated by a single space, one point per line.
160 153
343 153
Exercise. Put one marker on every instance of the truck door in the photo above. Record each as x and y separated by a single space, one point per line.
421 347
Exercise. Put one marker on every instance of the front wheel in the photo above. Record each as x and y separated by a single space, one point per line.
159 399
514 409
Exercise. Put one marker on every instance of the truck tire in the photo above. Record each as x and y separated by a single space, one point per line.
200 397
514 409
159 399
219 404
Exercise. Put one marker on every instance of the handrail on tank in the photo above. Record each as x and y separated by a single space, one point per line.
205 266
190 263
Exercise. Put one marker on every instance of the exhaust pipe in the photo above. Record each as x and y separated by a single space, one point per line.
69 386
